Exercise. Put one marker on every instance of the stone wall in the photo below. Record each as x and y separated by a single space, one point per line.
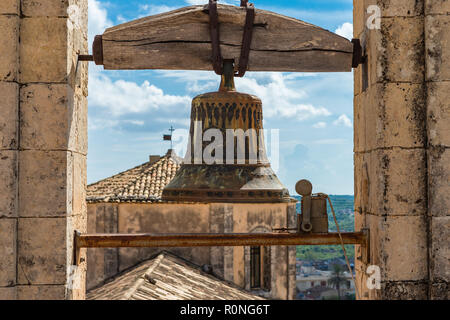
43 146
230 263
401 116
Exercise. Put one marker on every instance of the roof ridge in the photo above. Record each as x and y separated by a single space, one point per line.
127 295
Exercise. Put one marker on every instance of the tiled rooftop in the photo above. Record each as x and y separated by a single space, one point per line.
143 183
168 277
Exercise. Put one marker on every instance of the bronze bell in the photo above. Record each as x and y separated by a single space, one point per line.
236 169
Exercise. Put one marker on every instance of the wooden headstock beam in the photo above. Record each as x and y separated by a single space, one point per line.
180 40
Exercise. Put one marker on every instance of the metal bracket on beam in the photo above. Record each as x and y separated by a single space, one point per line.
358 57
76 248
85 57
365 246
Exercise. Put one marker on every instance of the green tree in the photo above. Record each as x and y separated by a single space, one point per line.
337 278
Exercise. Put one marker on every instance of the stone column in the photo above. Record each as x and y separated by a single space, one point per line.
437 67
9 145
397 160
43 141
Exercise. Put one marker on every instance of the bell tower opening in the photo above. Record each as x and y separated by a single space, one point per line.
260 272
255 267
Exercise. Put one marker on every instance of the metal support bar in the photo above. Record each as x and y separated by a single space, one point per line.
215 37
217 58
212 240
85 57
247 38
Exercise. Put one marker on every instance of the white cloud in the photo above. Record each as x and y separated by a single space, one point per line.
331 141
196 82
279 92
279 98
343 120
98 19
126 97
152 9
100 124
135 122
345 30
320 125
121 19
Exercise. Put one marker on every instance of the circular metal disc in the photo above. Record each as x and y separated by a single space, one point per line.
303 187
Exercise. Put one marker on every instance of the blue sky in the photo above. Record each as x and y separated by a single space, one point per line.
129 111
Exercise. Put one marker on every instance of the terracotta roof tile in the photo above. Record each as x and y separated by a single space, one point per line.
143 183
168 277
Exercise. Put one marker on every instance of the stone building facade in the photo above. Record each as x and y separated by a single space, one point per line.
130 202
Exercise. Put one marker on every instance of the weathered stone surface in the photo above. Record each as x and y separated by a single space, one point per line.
9 293
437 42
359 21
77 43
398 245
76 275
79 184
42 251
76 10
45 106
403 248
440 291
9 7
8 183
9 116
438 113
437 7
43 50
43 183
390 115
400 39
78 131
359 125
41 292
388 8
8 234
440 249
45 8
357 80
439 177
404 290
382 192
398 8
9 63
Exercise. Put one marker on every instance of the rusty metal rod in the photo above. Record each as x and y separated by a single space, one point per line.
85 57
213 240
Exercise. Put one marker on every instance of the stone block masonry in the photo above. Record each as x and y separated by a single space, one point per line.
43 147
402 166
